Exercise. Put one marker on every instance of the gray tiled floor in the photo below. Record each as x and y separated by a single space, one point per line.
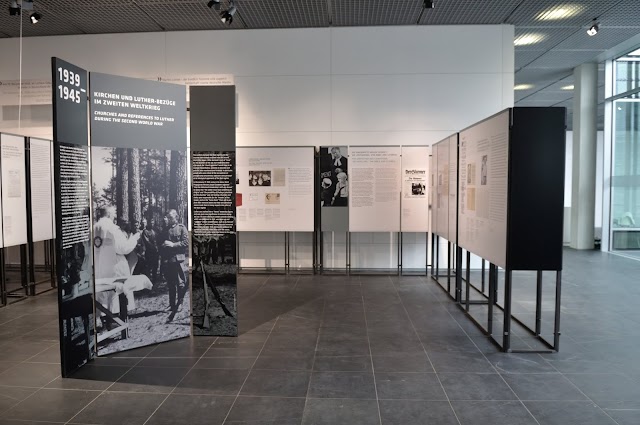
337 350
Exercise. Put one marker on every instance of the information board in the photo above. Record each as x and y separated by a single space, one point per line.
140 210
14 198
41 189
374 188
483 188
274 188
415 189
440 206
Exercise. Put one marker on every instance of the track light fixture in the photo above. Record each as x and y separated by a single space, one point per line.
595 27
214 4
35 17
227 16
428 4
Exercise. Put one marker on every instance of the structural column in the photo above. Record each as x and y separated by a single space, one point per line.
583 186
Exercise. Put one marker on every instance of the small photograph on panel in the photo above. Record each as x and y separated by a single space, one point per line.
214 285
141 247
471 174
272 198
279 177
471 199
76 311
259 178
334 177
484 170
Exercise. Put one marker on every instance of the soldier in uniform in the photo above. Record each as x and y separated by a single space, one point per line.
175 254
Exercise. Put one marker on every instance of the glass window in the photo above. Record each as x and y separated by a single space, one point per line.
625 168
627 73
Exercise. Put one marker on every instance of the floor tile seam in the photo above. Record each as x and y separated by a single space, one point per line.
406 312
102 392
373 369
181 379
304 408
249 371
584 394
492 365
37 389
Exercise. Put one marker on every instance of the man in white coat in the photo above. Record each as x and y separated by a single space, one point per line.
111 245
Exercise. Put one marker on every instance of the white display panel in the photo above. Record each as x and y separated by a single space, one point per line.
375 188
275 188
440 211
483 186
14 211
42 223
415 189
452 203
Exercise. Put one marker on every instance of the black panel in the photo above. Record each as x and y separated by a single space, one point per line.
536 188
69 103
213 118
213 205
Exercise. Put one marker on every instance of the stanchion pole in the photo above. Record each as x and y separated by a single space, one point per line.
506 336
556 324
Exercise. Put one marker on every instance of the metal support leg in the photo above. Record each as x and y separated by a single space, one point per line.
492 272
556 324
468 271
437 248
433 250
483 271
506 336
458 289
449 267
538 302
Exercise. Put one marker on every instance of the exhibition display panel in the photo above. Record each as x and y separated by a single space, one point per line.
444 222
40 167
415 189
510 208
214 198
74 271
140 198
14 194
275 189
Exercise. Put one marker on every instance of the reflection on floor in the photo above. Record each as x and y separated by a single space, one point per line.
629 253
337 350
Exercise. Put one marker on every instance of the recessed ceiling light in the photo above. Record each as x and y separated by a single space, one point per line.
563 11
523 87
569 87
529 39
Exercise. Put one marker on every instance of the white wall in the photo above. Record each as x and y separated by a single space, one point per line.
409 85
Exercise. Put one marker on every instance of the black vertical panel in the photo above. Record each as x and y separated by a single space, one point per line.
536 188
213 210
73 228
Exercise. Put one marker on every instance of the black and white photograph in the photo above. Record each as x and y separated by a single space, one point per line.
417 189
259 178
76 310
214 285
334 177
141 247
483 170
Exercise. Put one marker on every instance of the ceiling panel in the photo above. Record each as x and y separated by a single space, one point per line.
564 59
584 11
541 76
550 97
109 19
625 13
375 12
549 37
451 12
607 37
187 15
526 56
284 13
50 24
